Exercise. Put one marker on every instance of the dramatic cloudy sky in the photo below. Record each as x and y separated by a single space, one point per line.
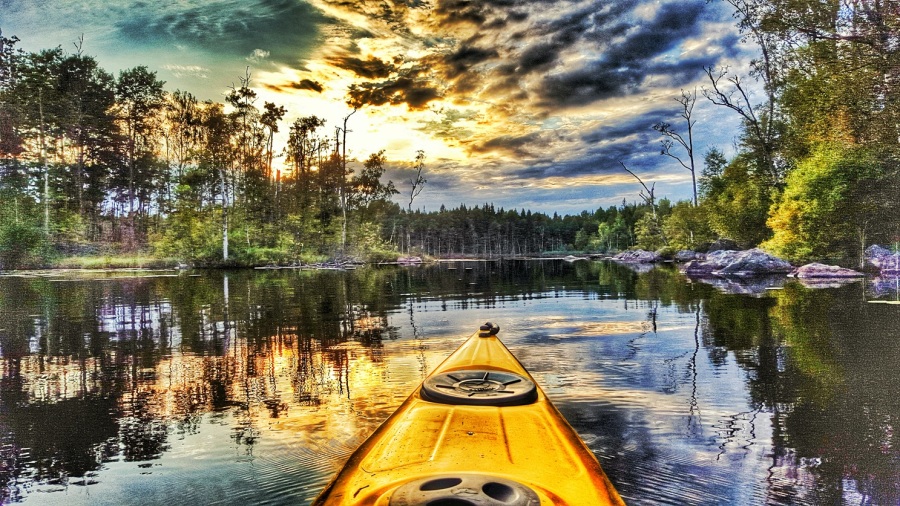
523 103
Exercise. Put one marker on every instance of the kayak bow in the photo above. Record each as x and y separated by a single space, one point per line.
478 431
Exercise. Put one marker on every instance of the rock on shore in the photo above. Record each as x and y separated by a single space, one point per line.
822 271
638 256
753 262
687 255
882 259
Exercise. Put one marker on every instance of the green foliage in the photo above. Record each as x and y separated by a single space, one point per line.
21 246
649 233
613 235
714 163
190 235
817 157
831 198
587 242
687 227
738 209
369 246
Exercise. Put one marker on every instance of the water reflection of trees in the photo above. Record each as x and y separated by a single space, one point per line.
94 371
845 353
819 364
803 352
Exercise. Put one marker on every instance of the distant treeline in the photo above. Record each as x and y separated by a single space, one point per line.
484 231
92 163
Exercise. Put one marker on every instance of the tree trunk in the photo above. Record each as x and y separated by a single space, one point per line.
43 162
224 218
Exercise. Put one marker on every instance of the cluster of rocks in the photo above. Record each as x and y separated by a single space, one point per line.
638 256
755 262
817 270
882 259
340 264
687 255
754 271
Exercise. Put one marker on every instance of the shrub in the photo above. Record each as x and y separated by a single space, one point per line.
20 246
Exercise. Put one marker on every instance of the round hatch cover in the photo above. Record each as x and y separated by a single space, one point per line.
480 388
464 490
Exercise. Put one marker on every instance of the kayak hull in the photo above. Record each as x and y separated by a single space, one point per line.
428 452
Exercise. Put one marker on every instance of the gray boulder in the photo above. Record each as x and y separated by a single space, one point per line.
712 261
882 259
698 269
638 256
720 259
686 255
876 251
754 262
726 263
822 271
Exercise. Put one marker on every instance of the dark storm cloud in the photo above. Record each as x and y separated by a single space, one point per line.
598 160
482 13
373 68
303 84
518 145
538 56
565 32
619 54
466 56
624 64
631 141
597 17
286 29
462 11
673 23
587 85
407 88
639 127
307 84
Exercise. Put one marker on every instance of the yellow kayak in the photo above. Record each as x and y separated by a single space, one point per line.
478 431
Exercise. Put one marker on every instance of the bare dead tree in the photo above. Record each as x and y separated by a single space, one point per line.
343 188
687 101
418 182
761 129
647 197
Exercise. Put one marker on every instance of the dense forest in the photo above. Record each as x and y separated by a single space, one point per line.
97 164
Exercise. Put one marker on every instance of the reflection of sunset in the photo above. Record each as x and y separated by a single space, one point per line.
285 392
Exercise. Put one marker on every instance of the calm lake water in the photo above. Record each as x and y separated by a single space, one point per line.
253 387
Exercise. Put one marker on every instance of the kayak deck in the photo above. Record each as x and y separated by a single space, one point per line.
478 431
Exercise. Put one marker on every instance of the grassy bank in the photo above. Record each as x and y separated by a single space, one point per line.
114 262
